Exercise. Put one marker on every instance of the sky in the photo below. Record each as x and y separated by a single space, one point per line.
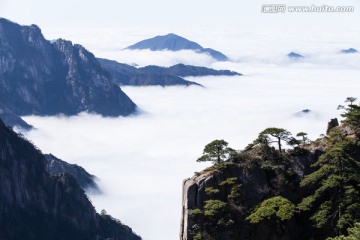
141 160
165 13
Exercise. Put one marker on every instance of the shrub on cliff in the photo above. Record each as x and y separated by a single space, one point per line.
273 209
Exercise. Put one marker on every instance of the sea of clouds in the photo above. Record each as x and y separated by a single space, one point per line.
141 160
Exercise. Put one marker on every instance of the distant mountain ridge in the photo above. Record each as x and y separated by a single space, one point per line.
349 51
183 70
173 42
49 78
124 74
35 205
56 166
11 120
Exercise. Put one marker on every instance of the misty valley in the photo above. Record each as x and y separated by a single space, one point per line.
105 145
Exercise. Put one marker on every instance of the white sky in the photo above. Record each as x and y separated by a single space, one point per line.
165 13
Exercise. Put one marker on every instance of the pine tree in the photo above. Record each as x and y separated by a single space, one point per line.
352 117
216 152
336 187
279 134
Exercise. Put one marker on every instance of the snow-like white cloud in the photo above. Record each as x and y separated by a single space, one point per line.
141 160
244 44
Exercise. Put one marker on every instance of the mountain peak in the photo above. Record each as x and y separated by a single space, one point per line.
350 50
295 55
49 78
174 42
172 35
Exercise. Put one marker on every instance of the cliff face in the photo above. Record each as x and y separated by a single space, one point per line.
256 183
85 180
307 192
46 78
12 120
34 205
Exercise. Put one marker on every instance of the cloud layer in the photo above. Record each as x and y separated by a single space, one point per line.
246 43
141 160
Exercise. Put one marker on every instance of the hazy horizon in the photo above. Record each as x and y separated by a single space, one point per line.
161 13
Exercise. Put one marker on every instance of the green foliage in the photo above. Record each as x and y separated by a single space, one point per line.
198 236
354 234
276 207
235 188
103 212
216 152
279 134
316 176
211 191
195 212
350 100
306 203
352 115
304 138
336 135
214 207
222 166
229 181
235 192
261 142
321 215
335 187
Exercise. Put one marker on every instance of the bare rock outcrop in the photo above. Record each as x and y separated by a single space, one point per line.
332 124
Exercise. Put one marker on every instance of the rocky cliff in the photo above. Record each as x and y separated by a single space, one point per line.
12 120
256 184
47 78
34 205
56 166
310 191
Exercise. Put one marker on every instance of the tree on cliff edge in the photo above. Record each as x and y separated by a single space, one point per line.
352 115
279 134
216 152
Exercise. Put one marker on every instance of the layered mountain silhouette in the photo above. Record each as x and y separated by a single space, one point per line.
183 70
48 78
35 205
173 42
350 50
56 166
124 74
295 55
12 120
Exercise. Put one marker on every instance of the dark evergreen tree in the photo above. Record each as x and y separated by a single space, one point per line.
336 188
279 134
216 152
